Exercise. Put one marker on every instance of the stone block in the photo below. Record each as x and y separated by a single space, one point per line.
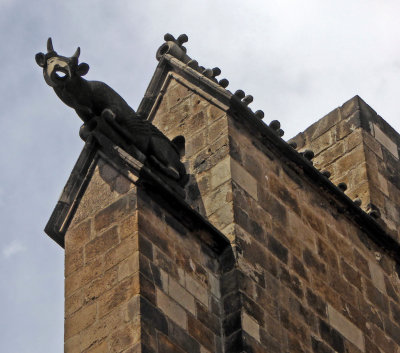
167 345
346 328
331 336
100 285
182 338
118 295
101 347
352 276
121 251
385 140
251 326
73 303
376 297
349 161
71 345
217 128
346 127
214 284
217 198
195 144
377 276
321 126
325 159
171 309
208 319
73 261
298 267
156 232
125 337
372 144
83 276
181 296
201 333
278 249
176 93
78 236
223 217
113 213
220 173
322 142
80 320
283 193
129 266
129 226
198 290
314 220
101 244
97 197
244 179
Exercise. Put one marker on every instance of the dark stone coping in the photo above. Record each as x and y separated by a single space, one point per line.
377 232
139 174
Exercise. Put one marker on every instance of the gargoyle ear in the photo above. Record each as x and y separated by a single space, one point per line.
40 59
82 69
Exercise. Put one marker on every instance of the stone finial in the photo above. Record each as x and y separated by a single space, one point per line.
275 125
247 99
183 38
342 186
193 64
240 94
223 83
174 47
326 173
216 71
308 154
208 73
373 211
259 114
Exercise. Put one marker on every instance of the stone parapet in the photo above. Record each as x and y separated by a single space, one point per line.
360 149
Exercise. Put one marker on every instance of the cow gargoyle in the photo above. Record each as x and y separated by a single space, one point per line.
94 100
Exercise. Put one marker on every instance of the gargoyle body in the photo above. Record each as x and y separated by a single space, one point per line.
93 99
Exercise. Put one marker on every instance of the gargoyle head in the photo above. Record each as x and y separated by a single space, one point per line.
57 69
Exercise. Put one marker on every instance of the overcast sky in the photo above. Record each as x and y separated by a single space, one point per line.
299 59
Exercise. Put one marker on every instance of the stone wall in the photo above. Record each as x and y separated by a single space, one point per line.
137 276
101 267
297 271
310 278
359 148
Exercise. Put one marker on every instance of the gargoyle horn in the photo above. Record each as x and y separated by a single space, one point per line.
50 46
77 53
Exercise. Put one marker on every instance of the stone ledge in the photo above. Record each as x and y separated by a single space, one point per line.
137 173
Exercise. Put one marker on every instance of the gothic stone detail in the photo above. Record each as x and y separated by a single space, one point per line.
98 104
305 270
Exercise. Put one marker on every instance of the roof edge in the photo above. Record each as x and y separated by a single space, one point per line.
137 173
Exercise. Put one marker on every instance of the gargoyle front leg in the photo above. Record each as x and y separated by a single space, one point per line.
85 113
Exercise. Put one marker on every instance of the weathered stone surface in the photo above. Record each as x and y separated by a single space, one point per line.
301 275
346 328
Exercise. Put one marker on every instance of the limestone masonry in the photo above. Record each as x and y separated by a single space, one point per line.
273 249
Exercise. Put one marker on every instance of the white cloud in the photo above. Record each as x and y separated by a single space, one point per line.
13 248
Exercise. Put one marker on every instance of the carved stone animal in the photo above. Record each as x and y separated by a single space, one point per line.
92 99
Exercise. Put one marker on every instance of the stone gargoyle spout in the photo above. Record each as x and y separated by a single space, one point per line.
94 100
